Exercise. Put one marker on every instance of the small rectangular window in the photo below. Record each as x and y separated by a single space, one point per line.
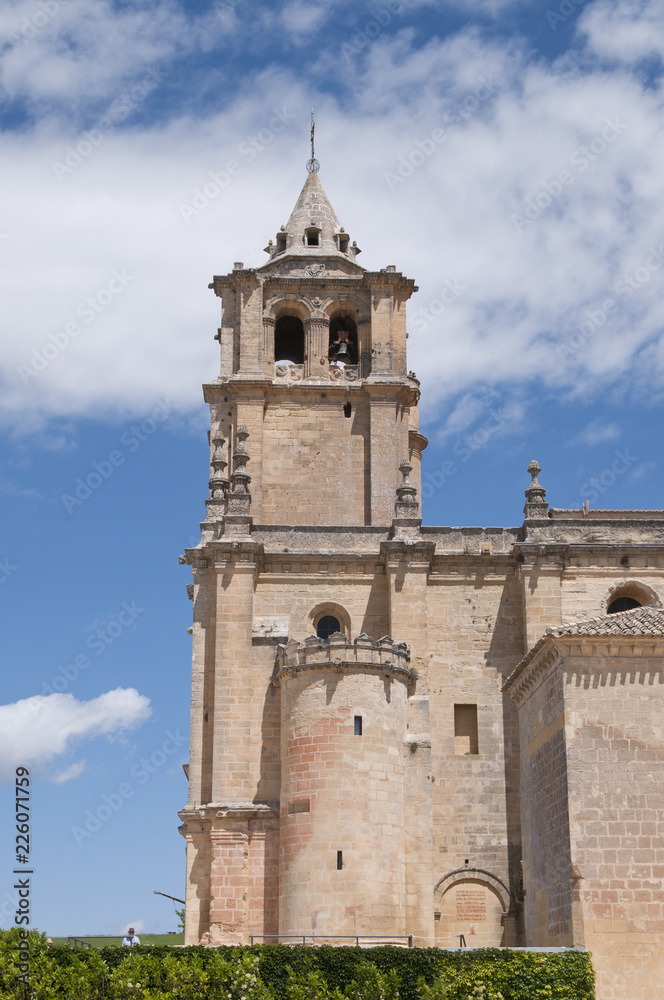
340 860
358 725
303 806
465 730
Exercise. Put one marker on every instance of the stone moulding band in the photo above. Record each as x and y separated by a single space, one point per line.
338 654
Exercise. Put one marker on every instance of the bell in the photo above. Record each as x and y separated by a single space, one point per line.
343 353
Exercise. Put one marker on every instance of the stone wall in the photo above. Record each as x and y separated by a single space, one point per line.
592 749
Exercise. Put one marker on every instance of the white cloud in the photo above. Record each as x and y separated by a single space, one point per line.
538 259
81 51
34 731
627 31
121 929
70 772
643 470
598 431
300 19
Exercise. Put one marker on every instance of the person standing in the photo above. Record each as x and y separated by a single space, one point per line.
130 938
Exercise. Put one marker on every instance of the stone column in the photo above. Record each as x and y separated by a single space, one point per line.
316 342
269 323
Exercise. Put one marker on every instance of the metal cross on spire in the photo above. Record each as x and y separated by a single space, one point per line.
313 166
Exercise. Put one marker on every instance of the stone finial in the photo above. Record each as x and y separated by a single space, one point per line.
239 498
536 505
218 481
406 505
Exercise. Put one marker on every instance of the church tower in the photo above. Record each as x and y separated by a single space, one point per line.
442 735
309 807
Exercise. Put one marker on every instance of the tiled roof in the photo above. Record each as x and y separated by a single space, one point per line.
637 621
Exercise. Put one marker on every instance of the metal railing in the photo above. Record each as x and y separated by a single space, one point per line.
79 942
306 938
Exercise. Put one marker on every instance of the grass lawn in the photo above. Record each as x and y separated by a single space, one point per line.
106 942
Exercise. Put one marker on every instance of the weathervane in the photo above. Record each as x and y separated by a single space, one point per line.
313 166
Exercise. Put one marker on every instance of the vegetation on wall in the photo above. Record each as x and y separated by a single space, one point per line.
278 972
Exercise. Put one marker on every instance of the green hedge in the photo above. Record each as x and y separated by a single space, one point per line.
279 972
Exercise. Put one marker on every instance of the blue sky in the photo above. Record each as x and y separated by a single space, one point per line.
505 155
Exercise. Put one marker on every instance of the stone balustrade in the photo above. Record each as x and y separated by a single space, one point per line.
284 372
338 653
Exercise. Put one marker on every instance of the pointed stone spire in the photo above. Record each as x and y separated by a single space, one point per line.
536 505
313 229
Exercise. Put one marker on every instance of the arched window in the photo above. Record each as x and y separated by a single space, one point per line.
289 340
623 604
327 625
329 617
343 329
625 595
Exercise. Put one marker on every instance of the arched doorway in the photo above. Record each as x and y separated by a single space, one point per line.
472 903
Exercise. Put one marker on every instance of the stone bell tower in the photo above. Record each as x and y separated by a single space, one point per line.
326 438
300 780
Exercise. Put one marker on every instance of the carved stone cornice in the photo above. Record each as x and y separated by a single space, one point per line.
530 673
417 553
599 656
206 813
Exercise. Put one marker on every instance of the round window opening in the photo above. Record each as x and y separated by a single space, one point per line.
326 626
623 604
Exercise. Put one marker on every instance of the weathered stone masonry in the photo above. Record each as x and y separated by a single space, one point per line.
438 764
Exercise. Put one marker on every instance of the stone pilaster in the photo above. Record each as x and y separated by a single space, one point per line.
235 565
408 564
316 338
269 323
